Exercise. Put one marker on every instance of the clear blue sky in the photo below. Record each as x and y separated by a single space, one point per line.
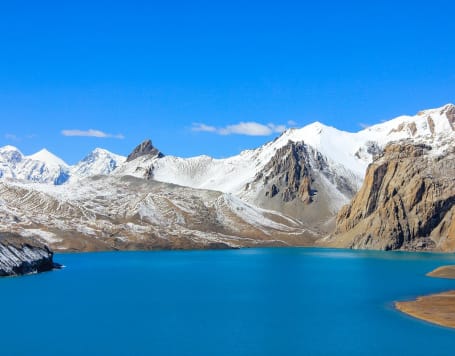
163 69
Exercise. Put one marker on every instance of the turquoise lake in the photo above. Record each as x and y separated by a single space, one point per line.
284 301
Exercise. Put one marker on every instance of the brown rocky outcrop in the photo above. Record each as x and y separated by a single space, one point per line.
407 202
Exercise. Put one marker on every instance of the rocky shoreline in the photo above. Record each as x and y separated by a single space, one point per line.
24 255
436 308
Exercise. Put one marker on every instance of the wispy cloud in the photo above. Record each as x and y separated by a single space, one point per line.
203 128
363 125
292 123
12 137
17 138
91 133
242 128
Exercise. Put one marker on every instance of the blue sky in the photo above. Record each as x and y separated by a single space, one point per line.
190 74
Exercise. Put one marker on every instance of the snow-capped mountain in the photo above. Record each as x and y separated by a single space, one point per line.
335 161
10 158
290 189
45 167
41 167
99 161
347 153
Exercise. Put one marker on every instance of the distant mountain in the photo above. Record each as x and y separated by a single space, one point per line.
300 181
41 167
45 167
99 161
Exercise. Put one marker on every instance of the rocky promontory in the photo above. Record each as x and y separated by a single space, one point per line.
407 202
436 308
22 255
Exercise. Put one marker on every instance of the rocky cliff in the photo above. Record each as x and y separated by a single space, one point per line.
144 149
21 255
407 201
300 182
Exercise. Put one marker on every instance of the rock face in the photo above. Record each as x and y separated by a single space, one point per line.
407 202
299 181
20 255
145 148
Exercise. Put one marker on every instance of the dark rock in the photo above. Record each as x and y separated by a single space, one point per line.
144 149
20 255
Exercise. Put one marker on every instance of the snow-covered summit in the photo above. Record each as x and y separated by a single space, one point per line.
41 167
99 161
10 154
48 157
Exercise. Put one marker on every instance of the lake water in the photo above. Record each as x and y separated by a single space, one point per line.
288 301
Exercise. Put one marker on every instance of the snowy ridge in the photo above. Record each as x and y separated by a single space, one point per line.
41 167
45 167
348 153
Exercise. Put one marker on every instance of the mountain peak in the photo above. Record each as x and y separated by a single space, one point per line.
97 162
9 148
99 150
48 157
144 149
10 154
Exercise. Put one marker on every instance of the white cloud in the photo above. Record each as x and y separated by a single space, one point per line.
11 137
242 128
203 128
90 133
292 123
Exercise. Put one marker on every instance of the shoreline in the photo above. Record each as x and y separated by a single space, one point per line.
437 308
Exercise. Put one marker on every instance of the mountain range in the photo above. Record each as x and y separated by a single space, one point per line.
286 192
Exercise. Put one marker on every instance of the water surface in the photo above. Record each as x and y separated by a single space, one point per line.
289 301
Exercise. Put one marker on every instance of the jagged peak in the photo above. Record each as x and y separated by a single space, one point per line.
146 148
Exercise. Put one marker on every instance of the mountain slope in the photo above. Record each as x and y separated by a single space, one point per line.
108 212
